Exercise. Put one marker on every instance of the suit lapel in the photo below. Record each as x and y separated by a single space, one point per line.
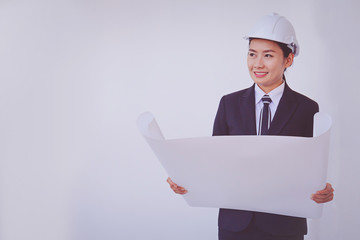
286 108
247 108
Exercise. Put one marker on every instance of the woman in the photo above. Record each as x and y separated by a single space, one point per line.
269 107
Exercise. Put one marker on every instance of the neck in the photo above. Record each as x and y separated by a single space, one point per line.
268 89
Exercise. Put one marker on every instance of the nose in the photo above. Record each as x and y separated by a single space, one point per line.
259 62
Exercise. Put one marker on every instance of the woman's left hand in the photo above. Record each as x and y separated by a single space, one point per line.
325 195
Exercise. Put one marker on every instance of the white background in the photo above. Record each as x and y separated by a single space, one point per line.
74 76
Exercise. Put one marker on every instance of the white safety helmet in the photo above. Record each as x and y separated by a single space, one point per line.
276 28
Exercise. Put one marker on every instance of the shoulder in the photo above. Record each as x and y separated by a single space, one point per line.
234 96
302 99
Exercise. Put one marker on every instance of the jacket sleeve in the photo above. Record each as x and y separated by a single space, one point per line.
310 125
220 123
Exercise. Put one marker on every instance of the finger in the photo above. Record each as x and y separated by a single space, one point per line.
328 199
325 191
172 184
322 198
328 189
183 191
169 181
322 190
180 190
177 189
174 187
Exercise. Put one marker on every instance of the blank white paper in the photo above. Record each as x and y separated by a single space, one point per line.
234 172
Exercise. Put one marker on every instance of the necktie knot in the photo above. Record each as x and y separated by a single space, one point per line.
266 99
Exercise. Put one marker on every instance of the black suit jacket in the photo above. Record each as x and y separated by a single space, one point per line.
293 117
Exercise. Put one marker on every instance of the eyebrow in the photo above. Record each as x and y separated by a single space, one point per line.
266 51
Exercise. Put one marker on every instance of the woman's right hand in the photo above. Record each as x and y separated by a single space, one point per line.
177 189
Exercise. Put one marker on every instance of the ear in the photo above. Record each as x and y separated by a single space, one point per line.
289 60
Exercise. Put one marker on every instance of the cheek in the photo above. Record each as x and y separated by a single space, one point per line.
249 64
276 67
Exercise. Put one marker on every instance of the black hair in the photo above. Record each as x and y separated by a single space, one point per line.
286 50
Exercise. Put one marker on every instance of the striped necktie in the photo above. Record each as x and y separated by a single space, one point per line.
265 116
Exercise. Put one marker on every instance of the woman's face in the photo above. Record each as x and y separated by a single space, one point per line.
266 63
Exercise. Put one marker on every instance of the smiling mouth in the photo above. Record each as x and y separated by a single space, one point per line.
260 74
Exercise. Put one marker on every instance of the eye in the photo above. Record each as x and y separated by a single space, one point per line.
251 54
268 55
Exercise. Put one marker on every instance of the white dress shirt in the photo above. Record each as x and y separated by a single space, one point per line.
275 96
